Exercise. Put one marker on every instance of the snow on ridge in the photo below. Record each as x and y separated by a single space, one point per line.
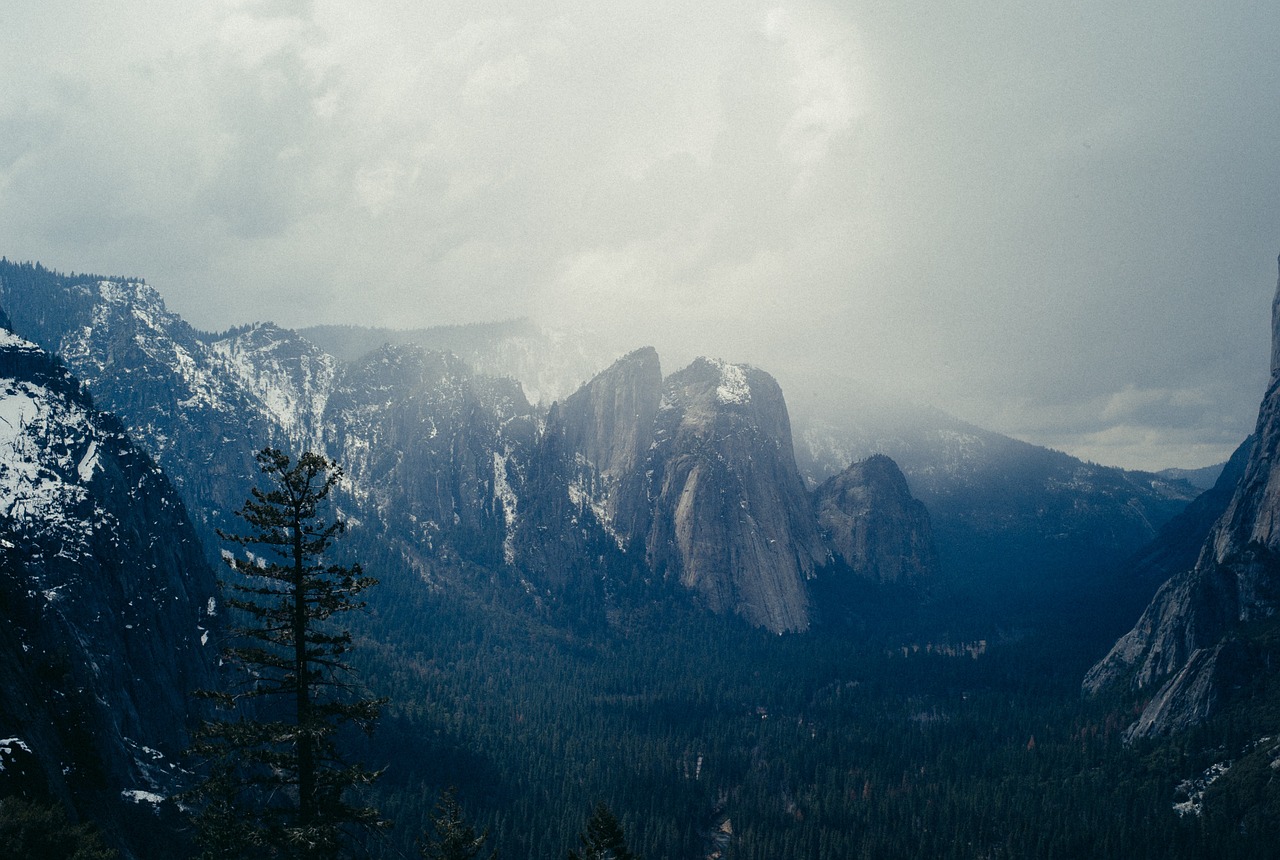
9 340
143 300
733 388
137 795
294 400
7 747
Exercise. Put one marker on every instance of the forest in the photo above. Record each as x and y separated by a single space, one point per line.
710 739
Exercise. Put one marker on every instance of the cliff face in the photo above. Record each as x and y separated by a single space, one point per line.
106 599
730 518
435 454
147 366
605 428
1181 641
291 377
698 474
869 517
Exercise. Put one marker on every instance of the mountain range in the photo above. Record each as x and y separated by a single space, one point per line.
128 438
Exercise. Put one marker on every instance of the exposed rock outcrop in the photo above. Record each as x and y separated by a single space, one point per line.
730 518
435 453
1178 641
147 366
291 376
606 429
868 515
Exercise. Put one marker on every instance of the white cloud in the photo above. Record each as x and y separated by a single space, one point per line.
824 79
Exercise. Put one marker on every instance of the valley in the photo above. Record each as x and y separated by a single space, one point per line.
751 634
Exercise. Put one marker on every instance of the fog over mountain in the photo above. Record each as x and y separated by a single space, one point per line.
1056 223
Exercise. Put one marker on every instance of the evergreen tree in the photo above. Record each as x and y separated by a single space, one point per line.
454 838
276 783
602 839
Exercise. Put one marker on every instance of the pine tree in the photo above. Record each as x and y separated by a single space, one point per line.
602 839
276 783
454 838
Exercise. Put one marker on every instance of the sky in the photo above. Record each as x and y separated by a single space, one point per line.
1058 221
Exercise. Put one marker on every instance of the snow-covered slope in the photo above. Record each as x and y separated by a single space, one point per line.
105 593
291 377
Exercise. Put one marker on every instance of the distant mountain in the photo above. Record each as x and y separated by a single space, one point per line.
1017 519
107 605
692 477
1204 477
875 525
182 402
1015 523
1203 636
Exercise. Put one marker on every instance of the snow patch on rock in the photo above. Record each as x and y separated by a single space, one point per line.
506 497
733 388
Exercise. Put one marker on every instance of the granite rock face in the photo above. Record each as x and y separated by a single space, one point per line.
698 474
605 429
869 517
1176 648
730 518
435 454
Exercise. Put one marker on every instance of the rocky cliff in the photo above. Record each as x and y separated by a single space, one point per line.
1186 646
435 454
730 519
691 481
869 517
291 377
146 365
106 600
606 428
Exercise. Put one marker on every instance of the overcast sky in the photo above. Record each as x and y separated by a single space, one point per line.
1059 221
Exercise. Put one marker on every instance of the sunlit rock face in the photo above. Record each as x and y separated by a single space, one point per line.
730 518
1177 643
107 602
869 517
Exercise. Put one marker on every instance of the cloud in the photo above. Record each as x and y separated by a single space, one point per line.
1033 217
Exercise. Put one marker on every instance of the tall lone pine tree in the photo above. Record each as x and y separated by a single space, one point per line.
276 784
